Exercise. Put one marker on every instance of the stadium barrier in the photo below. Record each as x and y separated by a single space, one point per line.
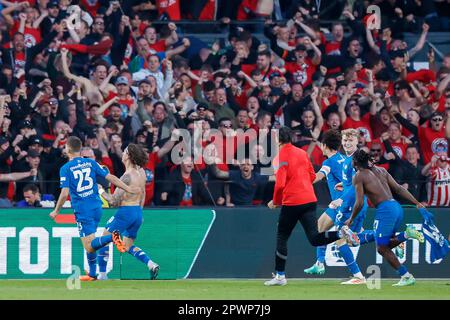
191 243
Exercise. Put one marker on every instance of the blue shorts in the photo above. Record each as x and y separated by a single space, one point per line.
127 221
87 223
344 215
388 218
331 213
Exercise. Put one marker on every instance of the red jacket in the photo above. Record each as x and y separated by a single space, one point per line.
294 177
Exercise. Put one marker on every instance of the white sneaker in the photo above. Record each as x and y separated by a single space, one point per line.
277 280
154 269
102 277
355 280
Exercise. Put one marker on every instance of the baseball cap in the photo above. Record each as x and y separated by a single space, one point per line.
122 80
52 4
300 47
437 113
202 105
144 81
32 153
141 132
91 135
53 101
274 74
36 140
25 124
47 143
397 54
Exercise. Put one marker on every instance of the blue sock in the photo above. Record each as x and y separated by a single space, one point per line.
102 258
281 273
349 259
402 270
139 254
92 262
320 253
100 242
402 237
366 236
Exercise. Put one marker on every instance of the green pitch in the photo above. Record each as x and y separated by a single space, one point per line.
218 289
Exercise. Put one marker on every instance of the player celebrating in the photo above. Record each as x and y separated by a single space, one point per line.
294 191
78 178
332 170
345 204
128 218
378 185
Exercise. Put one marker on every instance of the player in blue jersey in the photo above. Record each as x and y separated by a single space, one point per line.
78 177
378 185
128 219
344 205
332 170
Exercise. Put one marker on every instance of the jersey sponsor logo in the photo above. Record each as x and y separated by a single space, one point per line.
365 133
300 76
128 51
439 145
149 175
398 151
29 40
80 165
187 192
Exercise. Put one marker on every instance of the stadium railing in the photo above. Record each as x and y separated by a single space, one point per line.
213 191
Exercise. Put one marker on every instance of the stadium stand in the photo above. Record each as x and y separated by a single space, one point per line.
176 75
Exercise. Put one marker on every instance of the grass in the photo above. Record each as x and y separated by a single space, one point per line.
218 289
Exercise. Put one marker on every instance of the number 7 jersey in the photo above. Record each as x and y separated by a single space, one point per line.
80 176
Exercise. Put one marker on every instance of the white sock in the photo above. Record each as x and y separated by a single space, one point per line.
407 275
319 264
102 274
151 264
359 275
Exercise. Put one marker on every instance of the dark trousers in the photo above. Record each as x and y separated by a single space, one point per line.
289 216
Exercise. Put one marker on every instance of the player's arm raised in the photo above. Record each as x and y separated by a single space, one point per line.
61 200
122 183
359 192
401 191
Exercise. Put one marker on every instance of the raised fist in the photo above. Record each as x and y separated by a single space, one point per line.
172 26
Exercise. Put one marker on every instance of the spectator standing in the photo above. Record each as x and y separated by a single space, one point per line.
438 171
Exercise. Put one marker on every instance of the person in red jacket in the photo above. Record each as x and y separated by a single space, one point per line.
295 193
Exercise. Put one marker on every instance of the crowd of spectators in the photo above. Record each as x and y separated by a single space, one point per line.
103 71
